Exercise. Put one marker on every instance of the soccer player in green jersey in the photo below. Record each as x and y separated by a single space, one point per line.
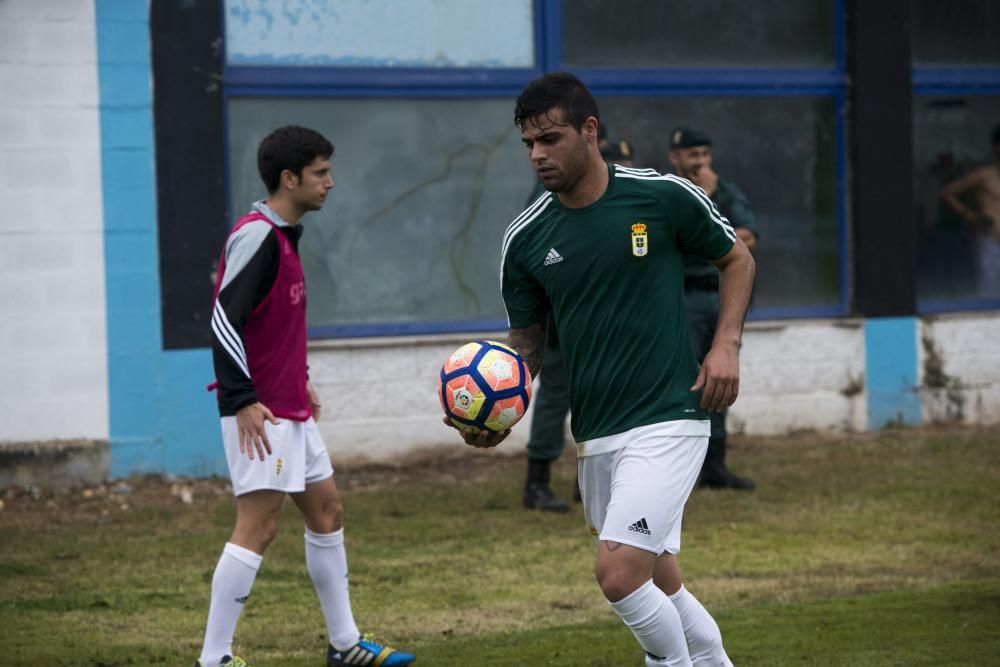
602 250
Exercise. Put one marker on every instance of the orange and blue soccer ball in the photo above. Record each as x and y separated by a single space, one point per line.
485 385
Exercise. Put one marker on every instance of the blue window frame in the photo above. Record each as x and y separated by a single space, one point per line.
332 82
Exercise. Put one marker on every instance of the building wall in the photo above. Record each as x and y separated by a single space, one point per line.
959 364
797 375
380 395
53 357
801 375
82 351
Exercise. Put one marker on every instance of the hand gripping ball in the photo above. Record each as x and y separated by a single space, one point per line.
485 385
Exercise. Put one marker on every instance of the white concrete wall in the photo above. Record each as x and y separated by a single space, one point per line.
380 394
52 340
801 375
959 368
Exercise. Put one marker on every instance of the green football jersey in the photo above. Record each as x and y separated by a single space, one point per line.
612 275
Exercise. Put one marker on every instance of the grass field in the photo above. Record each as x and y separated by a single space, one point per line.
864 550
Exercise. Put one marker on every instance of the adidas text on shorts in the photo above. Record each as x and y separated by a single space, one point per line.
634 493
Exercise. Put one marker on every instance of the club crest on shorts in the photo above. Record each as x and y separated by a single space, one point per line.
640 240
277 467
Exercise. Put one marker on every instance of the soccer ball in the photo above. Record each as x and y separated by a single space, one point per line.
484 385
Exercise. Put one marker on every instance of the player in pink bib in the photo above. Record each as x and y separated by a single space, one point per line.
269 407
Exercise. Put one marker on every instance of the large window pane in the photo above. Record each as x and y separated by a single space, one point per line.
380 33
424 190
959 249
956 33
639 33
781 152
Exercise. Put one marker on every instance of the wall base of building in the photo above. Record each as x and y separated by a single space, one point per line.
53 465
837 375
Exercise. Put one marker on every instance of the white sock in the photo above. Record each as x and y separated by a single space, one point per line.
326 560
701 631
231 584
656 625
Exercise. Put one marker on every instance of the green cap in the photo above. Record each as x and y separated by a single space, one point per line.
687 137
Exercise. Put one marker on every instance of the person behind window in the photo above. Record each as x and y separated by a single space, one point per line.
984 184
691 157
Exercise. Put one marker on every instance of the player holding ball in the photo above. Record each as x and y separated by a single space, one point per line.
602 250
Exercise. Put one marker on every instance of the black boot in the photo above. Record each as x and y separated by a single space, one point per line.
538 495
714 473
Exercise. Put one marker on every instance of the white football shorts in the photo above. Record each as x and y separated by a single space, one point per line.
298 457
634 493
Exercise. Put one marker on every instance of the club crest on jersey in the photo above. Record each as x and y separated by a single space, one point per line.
640 240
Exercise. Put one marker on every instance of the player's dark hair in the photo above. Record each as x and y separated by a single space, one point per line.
291 147
996 135
556 89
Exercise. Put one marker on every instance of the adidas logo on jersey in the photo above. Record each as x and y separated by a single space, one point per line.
640 526
552 257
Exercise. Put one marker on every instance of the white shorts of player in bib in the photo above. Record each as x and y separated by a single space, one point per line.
634 492
298 457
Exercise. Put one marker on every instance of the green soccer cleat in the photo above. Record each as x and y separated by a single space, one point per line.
368 652
227 661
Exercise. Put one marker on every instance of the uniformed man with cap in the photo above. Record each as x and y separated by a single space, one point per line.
691 157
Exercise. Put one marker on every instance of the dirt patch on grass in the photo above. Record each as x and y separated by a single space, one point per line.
106 502
102 503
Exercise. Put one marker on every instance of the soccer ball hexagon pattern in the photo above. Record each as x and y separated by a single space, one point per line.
484 385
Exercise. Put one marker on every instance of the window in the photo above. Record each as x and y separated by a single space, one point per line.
959 257
956 109
955 33
380 33
709 33
781 152
429 167
424 189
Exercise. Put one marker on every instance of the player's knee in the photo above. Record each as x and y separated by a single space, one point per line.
333 514
327 517
255 533
615 581
267 530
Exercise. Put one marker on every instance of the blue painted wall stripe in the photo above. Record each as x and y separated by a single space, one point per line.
891 371
161 418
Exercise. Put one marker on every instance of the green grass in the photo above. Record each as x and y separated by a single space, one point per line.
853 551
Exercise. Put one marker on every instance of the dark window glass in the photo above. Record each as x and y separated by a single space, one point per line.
956 33
754 33
781 152
424 190
957 182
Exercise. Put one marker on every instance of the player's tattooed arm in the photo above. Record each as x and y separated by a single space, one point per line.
529 342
